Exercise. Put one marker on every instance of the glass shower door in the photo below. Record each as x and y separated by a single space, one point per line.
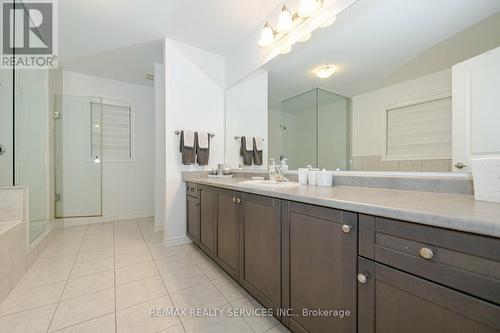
333 131
78 158
299 132
6 128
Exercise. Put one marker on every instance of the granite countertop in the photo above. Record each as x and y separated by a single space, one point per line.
452 211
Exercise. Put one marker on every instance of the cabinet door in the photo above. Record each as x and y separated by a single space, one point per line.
193 221
319 268
226 255
208 218
390 301
260 271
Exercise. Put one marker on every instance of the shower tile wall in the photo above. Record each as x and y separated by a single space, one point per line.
375 163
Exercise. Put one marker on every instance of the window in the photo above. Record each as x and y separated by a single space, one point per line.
420 130
114 130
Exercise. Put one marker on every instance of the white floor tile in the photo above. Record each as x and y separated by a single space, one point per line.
76 310
32 321
140 291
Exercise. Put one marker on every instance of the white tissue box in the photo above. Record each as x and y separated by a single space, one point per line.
486 176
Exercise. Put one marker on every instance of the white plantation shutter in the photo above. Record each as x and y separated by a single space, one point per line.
421 130
115 131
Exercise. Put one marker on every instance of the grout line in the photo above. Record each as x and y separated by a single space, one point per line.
81 322
114 276
30 309
66 284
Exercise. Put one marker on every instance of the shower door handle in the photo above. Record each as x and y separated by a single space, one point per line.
3 150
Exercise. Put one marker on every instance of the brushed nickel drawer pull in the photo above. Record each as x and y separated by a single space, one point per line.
234 199
426 253
238 200
362 278
346 228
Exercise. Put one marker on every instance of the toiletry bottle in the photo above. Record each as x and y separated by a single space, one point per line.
272 169
284 165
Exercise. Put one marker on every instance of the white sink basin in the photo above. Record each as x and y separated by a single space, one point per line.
269 184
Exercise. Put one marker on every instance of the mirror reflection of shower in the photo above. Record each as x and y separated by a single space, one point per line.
311 128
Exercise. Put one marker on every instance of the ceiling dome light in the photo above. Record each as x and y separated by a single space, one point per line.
285 21
325 71
328 22
308 7
266 36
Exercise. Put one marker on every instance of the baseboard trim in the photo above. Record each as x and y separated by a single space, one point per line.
75 221
179 240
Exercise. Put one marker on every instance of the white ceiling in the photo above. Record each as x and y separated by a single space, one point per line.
128 64
94 26
370 41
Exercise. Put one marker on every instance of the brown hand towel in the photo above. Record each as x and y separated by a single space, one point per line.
247 155
257 151
202 147
188 153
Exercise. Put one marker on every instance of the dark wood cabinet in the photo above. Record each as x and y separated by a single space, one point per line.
208 219
391 301
193 219
227 232
260 271
304 262
462 261
319 268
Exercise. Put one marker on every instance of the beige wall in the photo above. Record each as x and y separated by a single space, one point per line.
369 123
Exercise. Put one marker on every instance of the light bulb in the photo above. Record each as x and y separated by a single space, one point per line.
305 38
325 71
266 36
285 21
328 22
308 7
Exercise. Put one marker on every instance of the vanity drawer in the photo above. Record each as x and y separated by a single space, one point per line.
192 190
463 261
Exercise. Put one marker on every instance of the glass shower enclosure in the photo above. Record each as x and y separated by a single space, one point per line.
312 128
78 161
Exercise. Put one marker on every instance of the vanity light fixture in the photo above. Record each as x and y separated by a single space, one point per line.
328 22
266 36
289 23
308 7
305 38
325 71
286 49
285 21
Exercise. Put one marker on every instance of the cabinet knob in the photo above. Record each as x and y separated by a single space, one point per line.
234 199
238 200
362 278
426 253
346 228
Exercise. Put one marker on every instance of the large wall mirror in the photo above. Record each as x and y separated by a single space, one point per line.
383 102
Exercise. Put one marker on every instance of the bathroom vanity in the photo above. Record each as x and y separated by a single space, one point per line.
401 270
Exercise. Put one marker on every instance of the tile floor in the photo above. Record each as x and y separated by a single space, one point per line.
108 278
